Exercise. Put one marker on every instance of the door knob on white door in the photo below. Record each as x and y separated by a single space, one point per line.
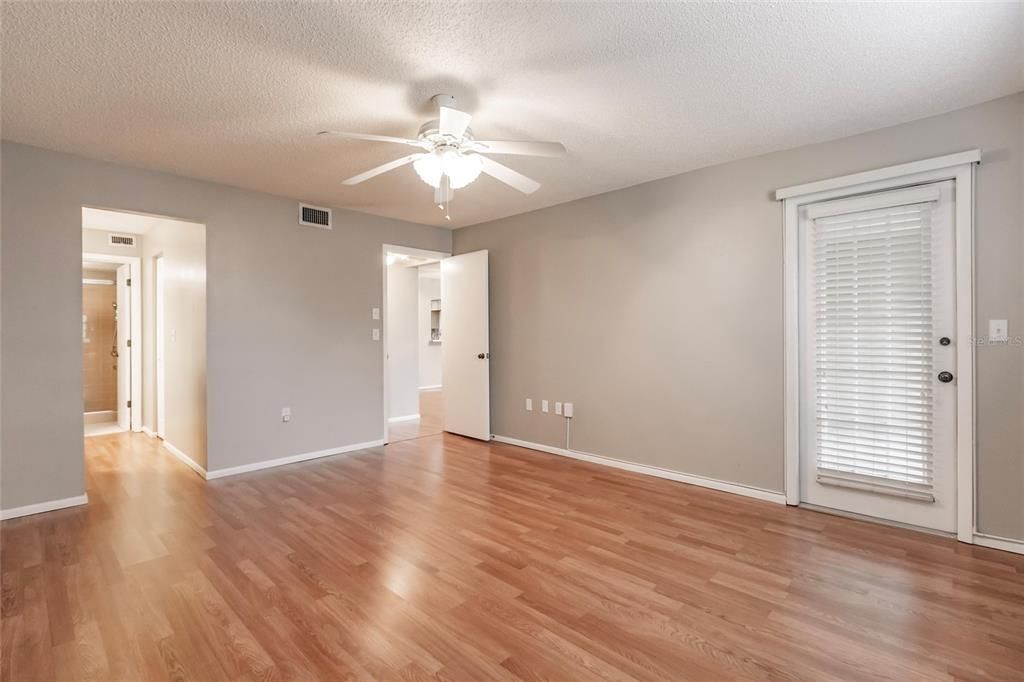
483 356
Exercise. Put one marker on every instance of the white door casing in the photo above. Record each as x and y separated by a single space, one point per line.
159 348
465 349
124 355
958 167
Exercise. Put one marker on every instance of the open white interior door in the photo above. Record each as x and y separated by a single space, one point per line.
465 348
124 351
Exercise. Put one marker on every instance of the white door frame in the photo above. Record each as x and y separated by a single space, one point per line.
959 168
159 348
408 251
135 269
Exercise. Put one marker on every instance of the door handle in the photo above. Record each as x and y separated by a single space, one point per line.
483 356
945 377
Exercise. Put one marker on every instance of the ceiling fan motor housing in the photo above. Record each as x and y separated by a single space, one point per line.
431 132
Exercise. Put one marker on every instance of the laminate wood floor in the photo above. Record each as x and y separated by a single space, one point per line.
449 559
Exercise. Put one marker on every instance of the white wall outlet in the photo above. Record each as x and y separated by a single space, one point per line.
375 313
375 334
543 406
998 331
558 407
567 411
529 405
286 414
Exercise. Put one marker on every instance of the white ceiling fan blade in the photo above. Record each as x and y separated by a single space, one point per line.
374 172
519 147
374 138
454 122
508 176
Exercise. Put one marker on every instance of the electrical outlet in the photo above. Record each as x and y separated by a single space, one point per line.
558 408
375 313
544 406
375 334
529 405
286 414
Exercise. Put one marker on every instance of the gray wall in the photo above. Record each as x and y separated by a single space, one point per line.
403 360
288 316
657 309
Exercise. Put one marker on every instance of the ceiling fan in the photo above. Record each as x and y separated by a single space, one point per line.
451 158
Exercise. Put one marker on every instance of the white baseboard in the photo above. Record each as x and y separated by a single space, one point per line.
406 418
41 507
1005 544
436 387
99 417
149 432
281 461
714 484
191 463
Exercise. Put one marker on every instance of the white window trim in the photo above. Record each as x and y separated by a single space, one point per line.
959 168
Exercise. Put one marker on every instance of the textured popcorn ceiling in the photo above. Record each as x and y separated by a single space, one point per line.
235 92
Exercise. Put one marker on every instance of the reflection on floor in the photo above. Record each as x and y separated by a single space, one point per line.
430 423
102 429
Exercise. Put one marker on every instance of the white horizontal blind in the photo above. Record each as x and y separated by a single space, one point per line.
872 274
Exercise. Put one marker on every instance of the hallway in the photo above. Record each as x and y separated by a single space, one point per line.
451 559
430 422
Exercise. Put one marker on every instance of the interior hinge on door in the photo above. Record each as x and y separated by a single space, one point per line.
129 403
129 281
129 343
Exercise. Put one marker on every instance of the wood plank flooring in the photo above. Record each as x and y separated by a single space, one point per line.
442 558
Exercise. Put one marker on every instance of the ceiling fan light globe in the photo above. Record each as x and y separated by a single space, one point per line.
462 169
428 167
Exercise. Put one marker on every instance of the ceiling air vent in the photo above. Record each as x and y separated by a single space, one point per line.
121 240
314 216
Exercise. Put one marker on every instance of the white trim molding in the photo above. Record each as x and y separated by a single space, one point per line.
958 167
281 461
191 463
691 479
406 418
880 174
435 387
52 505
1005 544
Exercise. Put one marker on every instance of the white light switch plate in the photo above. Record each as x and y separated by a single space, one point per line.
997 331
529 405
543 406
558 408
375 313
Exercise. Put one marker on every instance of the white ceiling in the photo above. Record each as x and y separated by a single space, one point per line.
121 221
235 92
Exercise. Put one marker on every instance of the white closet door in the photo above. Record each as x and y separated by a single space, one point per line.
877 316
